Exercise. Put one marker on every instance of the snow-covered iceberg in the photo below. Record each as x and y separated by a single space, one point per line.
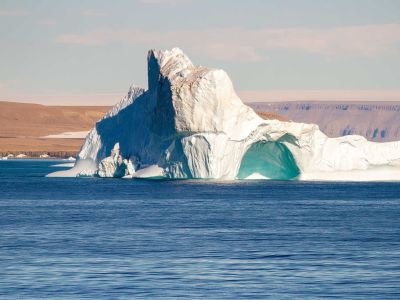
191 124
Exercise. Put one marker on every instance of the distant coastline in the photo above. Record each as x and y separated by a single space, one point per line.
376 121
35 130
18 155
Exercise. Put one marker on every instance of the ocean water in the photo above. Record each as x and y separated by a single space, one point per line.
89 238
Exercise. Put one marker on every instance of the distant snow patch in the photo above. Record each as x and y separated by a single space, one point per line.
67 135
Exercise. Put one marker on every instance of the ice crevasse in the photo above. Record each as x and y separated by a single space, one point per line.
191 124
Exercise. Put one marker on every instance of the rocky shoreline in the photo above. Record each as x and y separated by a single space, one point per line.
38 154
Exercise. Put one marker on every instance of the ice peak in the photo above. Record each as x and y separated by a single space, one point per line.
163 56
165 63
133 93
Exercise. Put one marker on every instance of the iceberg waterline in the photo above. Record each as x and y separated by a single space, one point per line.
191 124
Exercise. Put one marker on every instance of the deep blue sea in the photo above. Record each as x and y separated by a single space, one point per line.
90 238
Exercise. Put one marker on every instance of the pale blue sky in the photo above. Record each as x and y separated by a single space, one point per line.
89 52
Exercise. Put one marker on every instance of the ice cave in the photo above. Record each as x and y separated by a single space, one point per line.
268 160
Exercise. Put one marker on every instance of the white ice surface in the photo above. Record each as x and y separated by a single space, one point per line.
85 166
256 176
65 165
153 171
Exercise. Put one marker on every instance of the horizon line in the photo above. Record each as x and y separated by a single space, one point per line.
247 96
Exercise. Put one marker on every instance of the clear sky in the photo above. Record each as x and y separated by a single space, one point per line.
89 52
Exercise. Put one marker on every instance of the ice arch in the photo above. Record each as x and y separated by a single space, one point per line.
271 160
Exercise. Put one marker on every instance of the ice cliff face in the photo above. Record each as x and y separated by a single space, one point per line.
191 124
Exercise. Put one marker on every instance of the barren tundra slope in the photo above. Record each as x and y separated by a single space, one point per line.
22 125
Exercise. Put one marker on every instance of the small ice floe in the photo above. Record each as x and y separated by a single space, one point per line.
66 165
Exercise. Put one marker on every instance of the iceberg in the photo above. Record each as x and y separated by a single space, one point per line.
190 124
